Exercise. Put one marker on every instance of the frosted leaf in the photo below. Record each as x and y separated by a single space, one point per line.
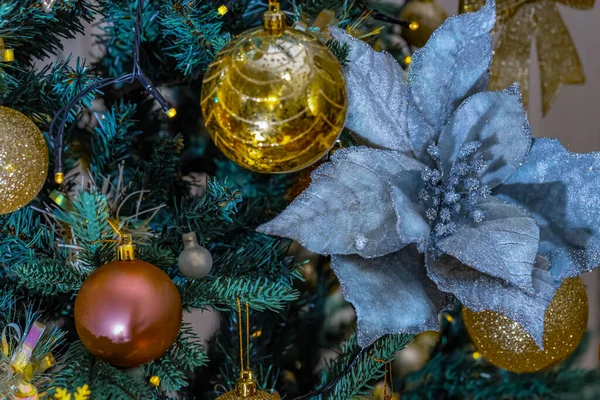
562 192
480 292
503 245
391 294
349 197
499 123
376 95
452 66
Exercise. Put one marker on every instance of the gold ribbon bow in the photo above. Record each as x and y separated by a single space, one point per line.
22 367
517 22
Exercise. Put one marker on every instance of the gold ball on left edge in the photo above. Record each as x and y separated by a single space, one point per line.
507 345
23 160
274 103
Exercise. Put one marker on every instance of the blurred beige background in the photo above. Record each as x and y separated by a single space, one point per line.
574 119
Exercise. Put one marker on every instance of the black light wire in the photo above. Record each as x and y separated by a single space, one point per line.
386 18
137 74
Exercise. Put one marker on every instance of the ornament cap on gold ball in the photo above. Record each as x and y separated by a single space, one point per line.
246 385
274 19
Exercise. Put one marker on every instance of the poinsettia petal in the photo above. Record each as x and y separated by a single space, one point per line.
498 121
376 95
411 225
504 245
562 191
452 66
347 209
479 292
391 294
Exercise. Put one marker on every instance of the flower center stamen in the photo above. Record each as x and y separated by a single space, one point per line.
448 198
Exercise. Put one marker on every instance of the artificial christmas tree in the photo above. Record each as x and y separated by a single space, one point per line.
425 167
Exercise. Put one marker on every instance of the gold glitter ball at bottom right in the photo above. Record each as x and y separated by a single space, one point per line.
505 344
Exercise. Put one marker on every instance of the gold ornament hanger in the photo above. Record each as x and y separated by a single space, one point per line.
246 387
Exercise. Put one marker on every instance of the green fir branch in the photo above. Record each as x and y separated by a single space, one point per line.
157 176
117 26
162 257
78 367
223 292
48 277
172 377
111 139
24 237
34 33
88 223
369 367
40 94
340 50
194 30
185 354
208 215
258 255
187 351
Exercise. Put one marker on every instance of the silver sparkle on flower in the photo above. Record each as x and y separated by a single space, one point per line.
451 197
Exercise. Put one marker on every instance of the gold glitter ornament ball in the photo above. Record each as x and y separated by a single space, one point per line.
274 101
507 345
23 160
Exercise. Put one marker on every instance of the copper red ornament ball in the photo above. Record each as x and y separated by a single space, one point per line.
128 313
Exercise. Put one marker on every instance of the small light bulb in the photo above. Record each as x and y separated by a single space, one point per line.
476 355
413 26
407 60
222 10
59 177
155 380
171 112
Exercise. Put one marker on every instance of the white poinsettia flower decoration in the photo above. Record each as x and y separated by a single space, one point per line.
451 198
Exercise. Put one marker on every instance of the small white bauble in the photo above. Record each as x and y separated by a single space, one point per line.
195 261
